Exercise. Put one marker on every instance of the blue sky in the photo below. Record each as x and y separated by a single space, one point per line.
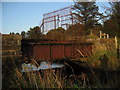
20 16
0 17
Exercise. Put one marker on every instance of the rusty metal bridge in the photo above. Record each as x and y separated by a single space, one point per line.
53 49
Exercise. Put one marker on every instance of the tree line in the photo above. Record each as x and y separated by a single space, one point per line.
88 18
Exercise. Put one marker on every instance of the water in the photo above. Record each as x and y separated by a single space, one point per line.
43 65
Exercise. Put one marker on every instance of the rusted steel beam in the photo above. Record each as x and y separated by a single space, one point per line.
64 51
50 49
50 52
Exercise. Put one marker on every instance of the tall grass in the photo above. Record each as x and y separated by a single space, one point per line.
94 60
37 79
48 79
108 77
51 78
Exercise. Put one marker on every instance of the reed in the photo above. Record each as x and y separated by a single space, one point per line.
108 77
51 78
38 79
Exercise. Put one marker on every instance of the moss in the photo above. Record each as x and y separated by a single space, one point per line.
92 36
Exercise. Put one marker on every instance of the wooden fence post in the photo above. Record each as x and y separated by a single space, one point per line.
100 34
107 35
116 44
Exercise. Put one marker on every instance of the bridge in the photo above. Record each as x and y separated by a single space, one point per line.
44 49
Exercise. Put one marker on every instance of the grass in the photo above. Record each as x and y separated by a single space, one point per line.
33 79
36 80
94 60
42 79
109 71
52 79
14 78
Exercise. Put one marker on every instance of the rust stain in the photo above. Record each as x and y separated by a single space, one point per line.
52 49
